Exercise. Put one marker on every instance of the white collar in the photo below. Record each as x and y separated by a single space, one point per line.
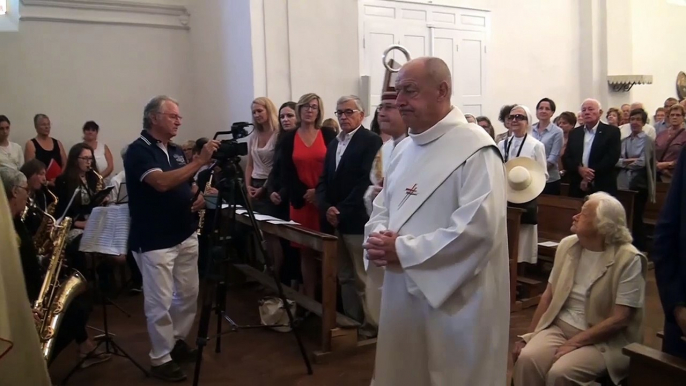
452 119
343 135
593 129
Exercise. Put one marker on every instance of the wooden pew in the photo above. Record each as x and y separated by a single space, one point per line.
513 223
626 197
339 332
650 367
555 220
652 211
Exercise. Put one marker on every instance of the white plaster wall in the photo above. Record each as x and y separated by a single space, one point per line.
533 53
311 46
79 72
657 50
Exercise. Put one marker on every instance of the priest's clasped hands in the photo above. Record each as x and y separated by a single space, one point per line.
380 248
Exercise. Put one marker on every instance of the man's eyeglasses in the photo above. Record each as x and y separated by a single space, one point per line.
310 107
347 113
174 117
26 188
517 117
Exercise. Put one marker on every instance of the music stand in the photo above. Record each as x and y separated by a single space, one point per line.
111 347
122 194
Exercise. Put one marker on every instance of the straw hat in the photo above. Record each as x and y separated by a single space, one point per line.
525 179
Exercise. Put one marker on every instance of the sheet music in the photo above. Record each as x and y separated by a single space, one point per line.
107 231
283 222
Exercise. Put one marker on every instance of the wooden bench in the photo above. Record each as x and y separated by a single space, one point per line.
652 210
626 197
650 367
555 220
339 332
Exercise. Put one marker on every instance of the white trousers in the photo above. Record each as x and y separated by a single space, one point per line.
170 288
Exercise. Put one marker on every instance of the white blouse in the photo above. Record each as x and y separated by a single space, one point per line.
100 159
262 157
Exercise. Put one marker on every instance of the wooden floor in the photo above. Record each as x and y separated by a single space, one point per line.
259 357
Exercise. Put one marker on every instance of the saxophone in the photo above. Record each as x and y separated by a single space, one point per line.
201 212
41 240
55 294
100 185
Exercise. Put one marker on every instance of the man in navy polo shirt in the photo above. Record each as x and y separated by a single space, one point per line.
162 236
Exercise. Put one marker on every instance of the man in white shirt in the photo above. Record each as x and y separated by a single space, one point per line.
444 317
340 194
626 128
11 154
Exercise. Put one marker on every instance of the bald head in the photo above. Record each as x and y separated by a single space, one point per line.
424 88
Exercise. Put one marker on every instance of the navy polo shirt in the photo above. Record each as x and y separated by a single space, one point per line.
159 220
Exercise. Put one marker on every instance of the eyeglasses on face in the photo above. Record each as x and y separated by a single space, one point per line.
310 107
347 113
87 159
517 117
173 117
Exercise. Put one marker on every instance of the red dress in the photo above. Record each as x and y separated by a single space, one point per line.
309 164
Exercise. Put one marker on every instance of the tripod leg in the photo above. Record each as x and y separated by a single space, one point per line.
270 267
291 320
203 328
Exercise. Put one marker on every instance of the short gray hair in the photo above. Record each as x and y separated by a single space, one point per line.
600 107
11 178
154 107
355 98
611 219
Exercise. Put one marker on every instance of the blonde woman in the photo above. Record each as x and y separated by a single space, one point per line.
332 123
261 153
304 150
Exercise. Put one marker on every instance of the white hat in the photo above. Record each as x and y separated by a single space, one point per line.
525 179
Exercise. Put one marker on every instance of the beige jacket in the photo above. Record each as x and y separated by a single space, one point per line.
600 299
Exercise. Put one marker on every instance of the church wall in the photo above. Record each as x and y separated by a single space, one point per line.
313 46
79 72
658 49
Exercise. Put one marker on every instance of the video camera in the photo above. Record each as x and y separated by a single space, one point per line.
231 148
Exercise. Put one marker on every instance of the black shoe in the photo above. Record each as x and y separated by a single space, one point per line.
170 372
182 353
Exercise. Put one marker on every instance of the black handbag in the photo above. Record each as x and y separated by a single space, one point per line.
530 215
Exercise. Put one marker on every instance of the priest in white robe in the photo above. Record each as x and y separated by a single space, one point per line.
438 235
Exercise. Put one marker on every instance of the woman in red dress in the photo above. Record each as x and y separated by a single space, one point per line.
304 151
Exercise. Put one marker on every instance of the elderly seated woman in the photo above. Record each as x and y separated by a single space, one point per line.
592 307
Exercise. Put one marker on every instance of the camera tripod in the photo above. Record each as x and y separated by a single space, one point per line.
214 290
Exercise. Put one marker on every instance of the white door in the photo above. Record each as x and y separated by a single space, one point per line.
464 52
